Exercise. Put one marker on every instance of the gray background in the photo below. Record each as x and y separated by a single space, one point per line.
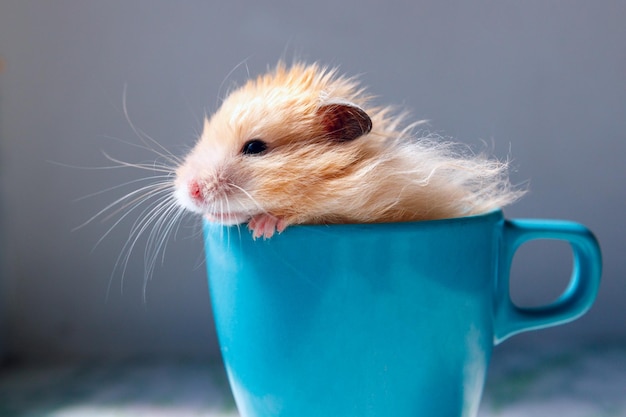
542 81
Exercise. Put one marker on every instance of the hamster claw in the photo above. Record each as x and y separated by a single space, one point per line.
265 225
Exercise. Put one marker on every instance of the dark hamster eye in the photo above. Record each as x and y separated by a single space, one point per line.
254 147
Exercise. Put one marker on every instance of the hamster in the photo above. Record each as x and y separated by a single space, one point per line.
303 144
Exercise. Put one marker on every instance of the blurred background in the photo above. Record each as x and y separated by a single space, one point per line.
541 82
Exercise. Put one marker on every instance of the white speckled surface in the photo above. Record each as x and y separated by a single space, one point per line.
583 383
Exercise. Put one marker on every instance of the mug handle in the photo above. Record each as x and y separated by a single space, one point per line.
575 300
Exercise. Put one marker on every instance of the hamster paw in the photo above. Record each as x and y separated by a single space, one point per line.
265 225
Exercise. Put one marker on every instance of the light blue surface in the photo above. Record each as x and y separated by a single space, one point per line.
379 319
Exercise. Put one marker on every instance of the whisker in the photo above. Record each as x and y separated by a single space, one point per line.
252 199
170 157
219 90
222 219
160 218
176 221
227 202
151 210
156 240
147 139
90 168
155 187
126 214
169 218
158 190
142 224
144 217
125 184
148 167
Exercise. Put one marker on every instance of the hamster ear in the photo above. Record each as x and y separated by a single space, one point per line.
344 121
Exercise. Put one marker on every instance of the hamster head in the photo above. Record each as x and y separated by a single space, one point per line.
273 147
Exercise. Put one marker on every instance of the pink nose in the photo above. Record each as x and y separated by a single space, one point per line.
195 191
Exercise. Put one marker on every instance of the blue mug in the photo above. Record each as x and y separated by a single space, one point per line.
377 320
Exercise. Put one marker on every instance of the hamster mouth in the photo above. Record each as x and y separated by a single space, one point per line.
227 219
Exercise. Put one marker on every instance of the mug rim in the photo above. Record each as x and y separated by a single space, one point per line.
487 216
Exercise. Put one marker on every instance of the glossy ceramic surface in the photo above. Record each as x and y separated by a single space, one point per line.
380 319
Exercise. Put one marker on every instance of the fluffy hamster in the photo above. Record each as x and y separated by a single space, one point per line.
302 144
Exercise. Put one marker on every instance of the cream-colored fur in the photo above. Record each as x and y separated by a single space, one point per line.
388 174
